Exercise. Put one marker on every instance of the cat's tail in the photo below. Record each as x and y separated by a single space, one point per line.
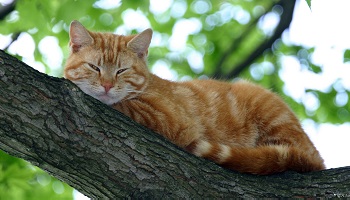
261 160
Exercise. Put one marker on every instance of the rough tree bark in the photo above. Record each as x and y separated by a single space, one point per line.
49 122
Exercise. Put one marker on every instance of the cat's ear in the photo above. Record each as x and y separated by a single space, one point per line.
140 43
79 36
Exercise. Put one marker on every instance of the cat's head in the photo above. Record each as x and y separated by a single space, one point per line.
108 67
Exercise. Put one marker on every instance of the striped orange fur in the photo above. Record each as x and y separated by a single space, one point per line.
239 125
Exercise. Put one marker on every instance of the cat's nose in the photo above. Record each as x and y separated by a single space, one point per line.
107 86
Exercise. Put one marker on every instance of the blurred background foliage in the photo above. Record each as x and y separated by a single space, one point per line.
21 180
222 39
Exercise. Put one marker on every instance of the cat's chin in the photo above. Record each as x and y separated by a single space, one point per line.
106 99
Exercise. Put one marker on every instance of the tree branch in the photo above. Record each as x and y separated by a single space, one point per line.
286 18
237 42
14 38
51 123
7 9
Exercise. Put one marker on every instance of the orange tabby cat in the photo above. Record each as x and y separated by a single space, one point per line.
240 126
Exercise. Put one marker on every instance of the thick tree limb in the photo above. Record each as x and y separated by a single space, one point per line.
51 123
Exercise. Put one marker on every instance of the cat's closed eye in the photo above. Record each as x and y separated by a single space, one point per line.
94 67
121 71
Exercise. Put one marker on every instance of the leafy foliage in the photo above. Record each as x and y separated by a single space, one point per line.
192 39
21 180
308 3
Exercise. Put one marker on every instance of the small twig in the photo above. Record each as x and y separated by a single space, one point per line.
14 38
286 18
7 9
236 43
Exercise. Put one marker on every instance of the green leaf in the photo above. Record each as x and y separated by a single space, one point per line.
347 55
309 3
316 69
